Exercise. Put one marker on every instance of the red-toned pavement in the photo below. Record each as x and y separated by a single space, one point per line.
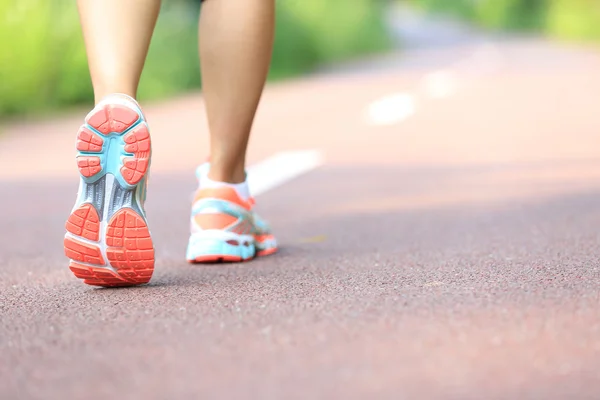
448 248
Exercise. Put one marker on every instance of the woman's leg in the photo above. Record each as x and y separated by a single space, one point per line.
236 39
117 35
107 237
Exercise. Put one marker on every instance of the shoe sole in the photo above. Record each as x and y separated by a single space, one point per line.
225 258
108 240
211 247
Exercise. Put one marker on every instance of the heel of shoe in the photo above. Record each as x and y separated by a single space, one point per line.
119 253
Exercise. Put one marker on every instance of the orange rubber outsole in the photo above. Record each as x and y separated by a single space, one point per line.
117 252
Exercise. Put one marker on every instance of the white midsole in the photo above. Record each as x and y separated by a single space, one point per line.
221 235
212 235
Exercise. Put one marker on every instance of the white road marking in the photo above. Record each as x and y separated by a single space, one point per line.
391 109
440 84
281 168
397 107
485 59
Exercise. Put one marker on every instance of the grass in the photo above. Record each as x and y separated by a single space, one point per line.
41 61
43 65
566 19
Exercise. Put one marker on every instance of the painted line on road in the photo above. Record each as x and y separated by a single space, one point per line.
396 107
440 84
282 168
391 109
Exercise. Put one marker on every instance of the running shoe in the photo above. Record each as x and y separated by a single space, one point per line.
107 238
224 227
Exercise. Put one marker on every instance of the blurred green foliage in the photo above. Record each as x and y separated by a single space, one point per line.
43 63
567 19
574 19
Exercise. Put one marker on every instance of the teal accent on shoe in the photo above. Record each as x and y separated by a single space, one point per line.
112 154
201 245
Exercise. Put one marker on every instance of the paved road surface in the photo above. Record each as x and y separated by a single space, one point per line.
447 247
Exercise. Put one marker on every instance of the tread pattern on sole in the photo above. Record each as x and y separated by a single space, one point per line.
130 250
97 276
89 141
138 143
84 222
88 166
78 250
117 252
112 118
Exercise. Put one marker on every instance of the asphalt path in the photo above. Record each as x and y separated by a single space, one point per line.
445 246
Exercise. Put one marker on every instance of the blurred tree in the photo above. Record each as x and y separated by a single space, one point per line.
43 63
